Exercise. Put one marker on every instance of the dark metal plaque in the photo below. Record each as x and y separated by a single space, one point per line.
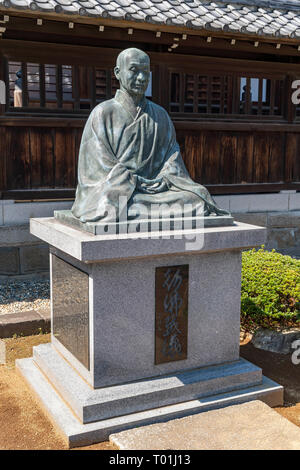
70 299
171 313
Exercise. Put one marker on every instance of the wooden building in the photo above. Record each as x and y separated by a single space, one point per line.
224 71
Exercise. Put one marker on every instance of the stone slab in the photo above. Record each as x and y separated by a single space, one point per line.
276 341
18 213
34 258
96 248
9 260
294 202
25 277
254 218
281 238
91 405
45 313
284 220
16 235
77 434
259 202
23 324
1 214
248 426
100 228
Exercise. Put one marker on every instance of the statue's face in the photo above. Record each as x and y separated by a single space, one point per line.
134 73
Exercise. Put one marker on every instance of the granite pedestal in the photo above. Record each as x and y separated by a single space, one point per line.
100 374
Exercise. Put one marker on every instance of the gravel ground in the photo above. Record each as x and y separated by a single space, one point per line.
21 296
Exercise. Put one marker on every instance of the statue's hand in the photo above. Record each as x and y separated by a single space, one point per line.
158 187
151 186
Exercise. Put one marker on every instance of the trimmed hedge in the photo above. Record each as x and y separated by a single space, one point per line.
270 289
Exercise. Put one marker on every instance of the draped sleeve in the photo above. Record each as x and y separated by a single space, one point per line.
101 176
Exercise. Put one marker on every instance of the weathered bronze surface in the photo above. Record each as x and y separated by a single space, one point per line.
70 298
171 313
130 165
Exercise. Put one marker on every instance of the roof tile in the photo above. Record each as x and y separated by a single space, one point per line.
197 23
19 3
296 34
259 17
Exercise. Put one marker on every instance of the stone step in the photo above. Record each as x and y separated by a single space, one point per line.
250 426
77 434
26 323
107 402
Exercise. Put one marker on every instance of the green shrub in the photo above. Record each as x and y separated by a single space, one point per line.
270 289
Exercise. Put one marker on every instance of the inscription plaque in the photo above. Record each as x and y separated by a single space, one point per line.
171 313
70 302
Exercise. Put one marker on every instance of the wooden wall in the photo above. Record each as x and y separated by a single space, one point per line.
41 158
241 157
38 155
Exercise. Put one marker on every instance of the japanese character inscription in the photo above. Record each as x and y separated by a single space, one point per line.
171 315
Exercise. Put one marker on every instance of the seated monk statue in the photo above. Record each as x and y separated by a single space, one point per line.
129 149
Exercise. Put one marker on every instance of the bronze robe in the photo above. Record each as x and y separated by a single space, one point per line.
122 148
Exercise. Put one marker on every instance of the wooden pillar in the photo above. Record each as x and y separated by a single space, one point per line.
3 97
164 86
155 83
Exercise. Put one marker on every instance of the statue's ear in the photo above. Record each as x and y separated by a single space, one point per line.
117 71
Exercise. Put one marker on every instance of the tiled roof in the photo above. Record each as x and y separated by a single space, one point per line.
274 18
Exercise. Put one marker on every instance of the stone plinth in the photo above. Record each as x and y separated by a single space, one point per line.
106 326
144 225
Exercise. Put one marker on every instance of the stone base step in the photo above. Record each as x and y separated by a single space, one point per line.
91 405
78 434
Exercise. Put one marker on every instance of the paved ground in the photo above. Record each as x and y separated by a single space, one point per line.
27 427
252 425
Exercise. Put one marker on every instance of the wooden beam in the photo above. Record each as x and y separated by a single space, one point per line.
251 188
13 120
46 52
69 193
236 125
118 32
38 194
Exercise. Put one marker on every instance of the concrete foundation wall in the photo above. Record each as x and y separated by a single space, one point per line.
24 256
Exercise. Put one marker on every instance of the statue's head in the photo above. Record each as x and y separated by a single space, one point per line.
133 71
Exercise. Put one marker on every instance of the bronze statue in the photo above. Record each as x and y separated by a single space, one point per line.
129 149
